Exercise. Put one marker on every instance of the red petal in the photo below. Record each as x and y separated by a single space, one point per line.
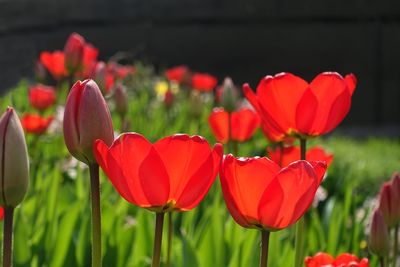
345 258
270 127
243 124
185 158
299 184
201 181
333 101
219 123
245 181
101 151
141 168
306 112
351 82
319 154
280 96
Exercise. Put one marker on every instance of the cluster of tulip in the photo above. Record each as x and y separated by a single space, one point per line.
175 173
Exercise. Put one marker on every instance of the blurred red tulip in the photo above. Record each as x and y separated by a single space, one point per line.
260 194
73 52
177 74
54 63
90 54
292 153
322 259
243 124
389 201
204 82
1 213
86 118
175 173
289 106
41 96
35 124
120 71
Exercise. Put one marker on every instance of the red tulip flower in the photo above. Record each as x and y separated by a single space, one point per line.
204 82
289 106
175 173
35 124
73 52
41 96
1 213
322 259
292 153
54 63
177 74
260 194
89 61
242 124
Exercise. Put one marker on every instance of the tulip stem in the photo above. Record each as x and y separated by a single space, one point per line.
395 245
7 236
264 248
170 234
303 148
383 261
158 239
300 226
96 214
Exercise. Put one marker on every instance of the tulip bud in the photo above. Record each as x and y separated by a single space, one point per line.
86 118
73 52
229 95
379 236
14 164
196 103
389 203
40 72
168 98
100 75
121 100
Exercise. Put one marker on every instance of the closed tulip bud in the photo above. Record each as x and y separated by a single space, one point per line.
196 103
121 100
14 164
229 95
100 75
86 118
389 203
379 236
73 51
168 98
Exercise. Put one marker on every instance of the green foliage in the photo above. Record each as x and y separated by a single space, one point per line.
52 226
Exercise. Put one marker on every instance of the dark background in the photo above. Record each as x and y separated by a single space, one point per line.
245 39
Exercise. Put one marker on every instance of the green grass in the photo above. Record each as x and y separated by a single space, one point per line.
52 225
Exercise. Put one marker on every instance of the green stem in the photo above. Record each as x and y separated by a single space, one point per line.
264 248
281 150
96 214
7 236
395 245
300 226
299 243
158 239
303 148
170 235
383 261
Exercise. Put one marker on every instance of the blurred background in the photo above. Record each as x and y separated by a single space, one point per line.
244 39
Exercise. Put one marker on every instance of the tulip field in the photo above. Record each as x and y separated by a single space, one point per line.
193 171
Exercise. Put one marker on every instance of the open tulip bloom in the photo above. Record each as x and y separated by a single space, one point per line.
260 194
290 106
174 173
